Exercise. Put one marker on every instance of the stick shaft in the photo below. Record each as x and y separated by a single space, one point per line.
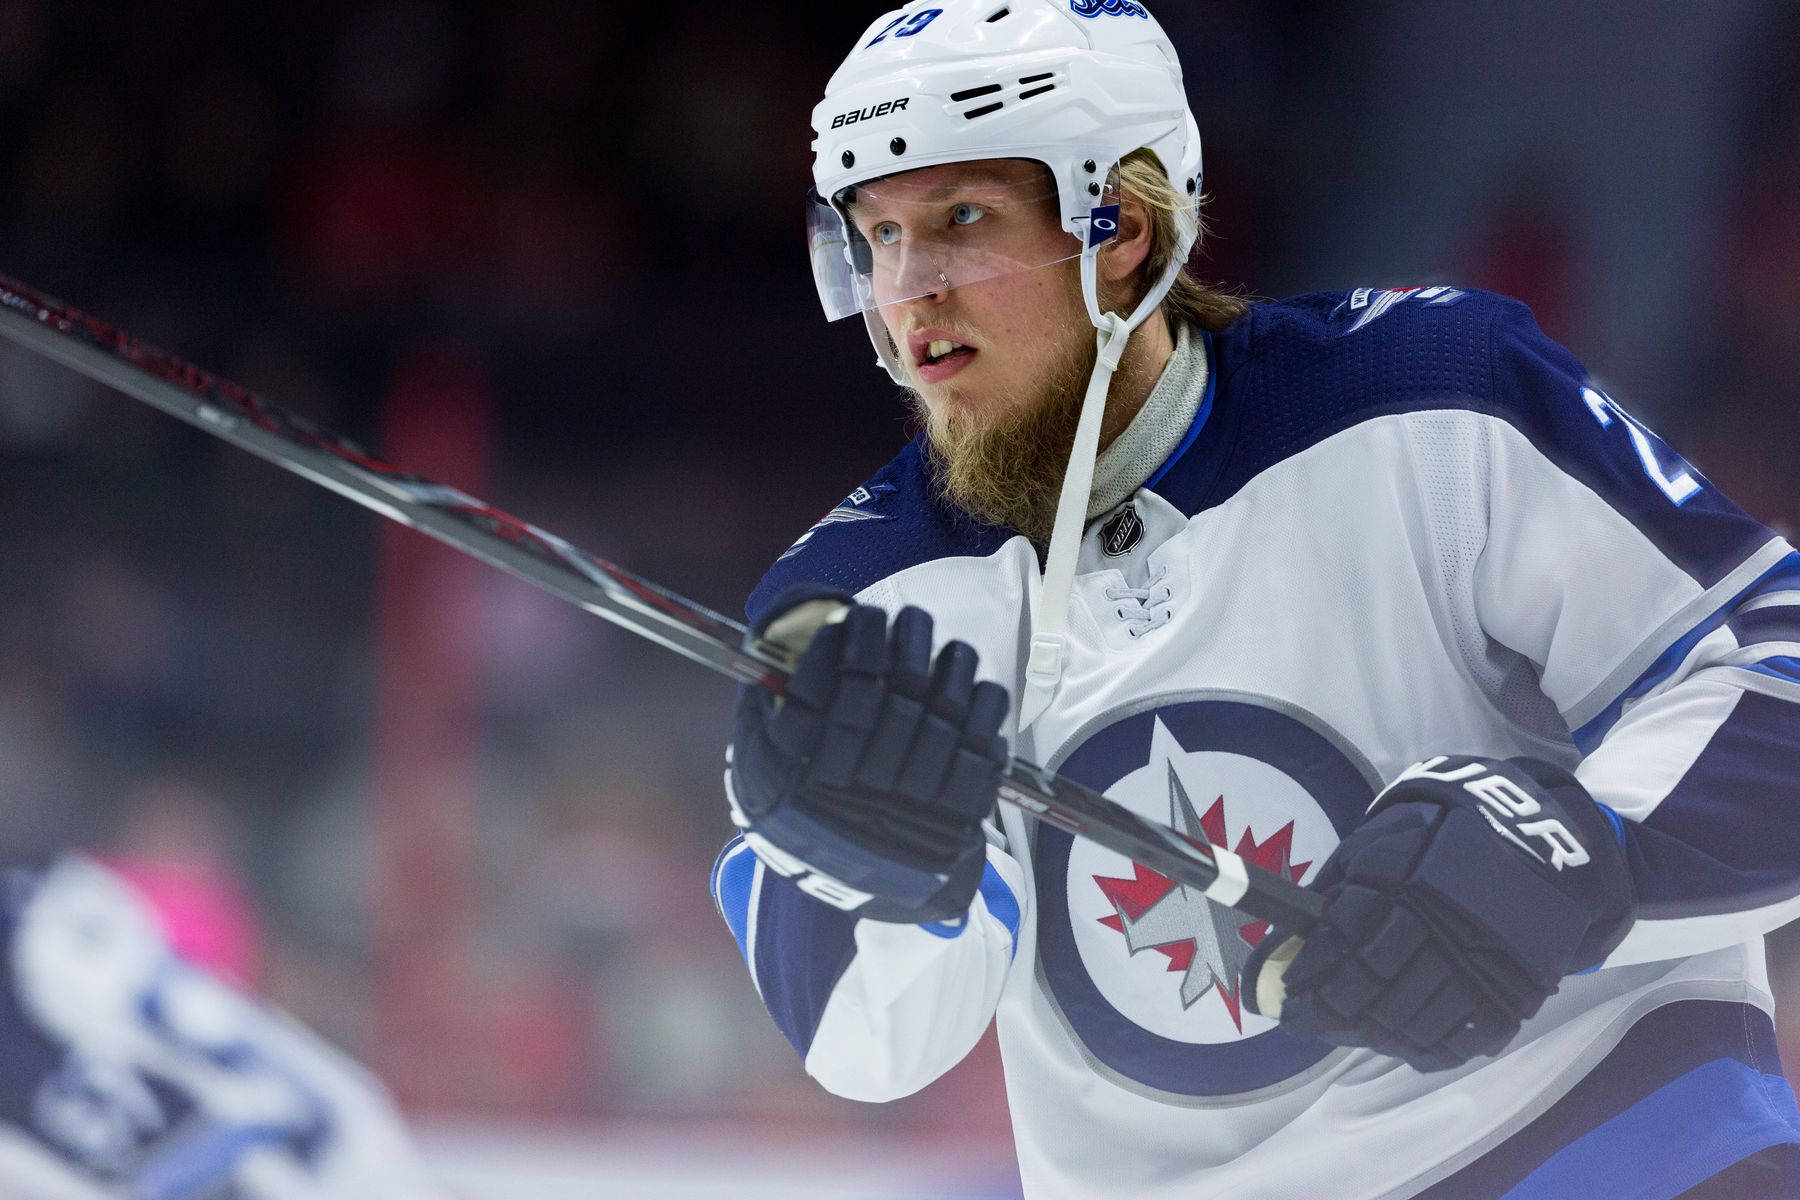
239 416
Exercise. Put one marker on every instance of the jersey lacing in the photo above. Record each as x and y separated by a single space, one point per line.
1150 605
1049 635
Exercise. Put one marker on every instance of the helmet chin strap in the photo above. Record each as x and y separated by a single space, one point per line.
1049 637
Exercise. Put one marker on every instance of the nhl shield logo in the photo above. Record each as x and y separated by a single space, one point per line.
1145 972
1124 531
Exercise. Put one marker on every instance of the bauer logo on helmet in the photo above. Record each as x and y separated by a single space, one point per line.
870 113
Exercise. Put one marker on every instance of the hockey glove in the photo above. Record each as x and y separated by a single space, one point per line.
868 782
1454 910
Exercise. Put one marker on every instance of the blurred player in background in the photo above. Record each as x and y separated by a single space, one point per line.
130 1074
1377 588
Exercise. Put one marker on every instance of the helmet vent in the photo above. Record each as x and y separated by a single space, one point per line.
984 110
1031 79
986 89
999 13
1048 87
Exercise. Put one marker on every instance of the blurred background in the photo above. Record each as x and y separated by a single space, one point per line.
552 252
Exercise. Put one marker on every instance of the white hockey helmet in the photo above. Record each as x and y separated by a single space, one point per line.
1073 84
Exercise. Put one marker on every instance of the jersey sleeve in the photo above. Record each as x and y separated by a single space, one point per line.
1664 623
875 1010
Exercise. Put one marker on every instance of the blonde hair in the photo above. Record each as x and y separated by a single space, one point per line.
1140 175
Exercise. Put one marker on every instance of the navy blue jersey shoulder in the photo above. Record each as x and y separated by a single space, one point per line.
1295 372
890 523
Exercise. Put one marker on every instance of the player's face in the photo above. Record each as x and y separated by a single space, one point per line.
979 285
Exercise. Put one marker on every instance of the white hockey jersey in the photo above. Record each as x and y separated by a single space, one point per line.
1399 524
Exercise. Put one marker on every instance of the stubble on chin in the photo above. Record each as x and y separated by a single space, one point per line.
1007 470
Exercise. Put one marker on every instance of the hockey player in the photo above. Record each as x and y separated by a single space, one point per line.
132 1075
1379 588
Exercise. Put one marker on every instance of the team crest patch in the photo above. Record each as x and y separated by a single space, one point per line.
1203 943
1370 304
1147 973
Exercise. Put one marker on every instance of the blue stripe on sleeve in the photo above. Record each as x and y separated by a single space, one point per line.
1590 734
1786 667
733 874
799 949
1719 1114
1617 822
1691 1088
1002 903
1724 839
1784 578
1776 623
803 947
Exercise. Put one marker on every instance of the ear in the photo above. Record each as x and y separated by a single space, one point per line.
1122 257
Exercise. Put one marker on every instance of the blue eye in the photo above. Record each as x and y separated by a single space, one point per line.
886 233
967 214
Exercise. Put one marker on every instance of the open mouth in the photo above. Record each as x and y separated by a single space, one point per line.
944 351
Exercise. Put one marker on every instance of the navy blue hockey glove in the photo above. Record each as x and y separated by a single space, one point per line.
868 782
1471 888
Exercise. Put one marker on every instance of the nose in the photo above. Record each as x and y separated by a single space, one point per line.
921 274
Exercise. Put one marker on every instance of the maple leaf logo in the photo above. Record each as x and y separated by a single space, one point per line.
1206 944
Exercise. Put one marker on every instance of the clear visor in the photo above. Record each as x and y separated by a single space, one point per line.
925 232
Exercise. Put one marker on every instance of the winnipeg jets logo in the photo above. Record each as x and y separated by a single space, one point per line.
1145 972
1207 944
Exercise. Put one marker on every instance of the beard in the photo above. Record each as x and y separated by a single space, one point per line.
1008 470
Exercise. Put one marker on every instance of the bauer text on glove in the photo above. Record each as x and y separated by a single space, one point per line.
1469 891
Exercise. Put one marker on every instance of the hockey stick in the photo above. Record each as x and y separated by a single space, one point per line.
227 410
